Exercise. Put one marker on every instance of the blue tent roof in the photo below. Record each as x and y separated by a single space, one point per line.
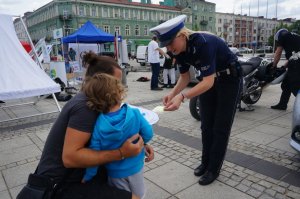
89 33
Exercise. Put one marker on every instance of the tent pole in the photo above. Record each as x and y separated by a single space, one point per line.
34 51
31 43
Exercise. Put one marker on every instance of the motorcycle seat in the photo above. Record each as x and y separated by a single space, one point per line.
250 65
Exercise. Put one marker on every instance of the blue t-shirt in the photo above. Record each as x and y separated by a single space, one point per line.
207 53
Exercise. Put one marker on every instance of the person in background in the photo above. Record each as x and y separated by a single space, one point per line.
289 42
219 89
72 54
153 59
169 71
114 126
66 151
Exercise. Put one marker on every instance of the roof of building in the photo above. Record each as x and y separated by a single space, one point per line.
125 2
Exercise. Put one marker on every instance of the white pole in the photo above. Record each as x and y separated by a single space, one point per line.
35 54
266 28
275 26
32 45
241 25
257 31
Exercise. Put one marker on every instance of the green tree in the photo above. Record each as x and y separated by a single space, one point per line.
295 27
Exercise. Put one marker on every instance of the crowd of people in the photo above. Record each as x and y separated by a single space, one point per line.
97 146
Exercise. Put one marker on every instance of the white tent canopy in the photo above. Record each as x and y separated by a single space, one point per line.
20 76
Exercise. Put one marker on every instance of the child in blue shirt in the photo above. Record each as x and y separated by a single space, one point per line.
113 127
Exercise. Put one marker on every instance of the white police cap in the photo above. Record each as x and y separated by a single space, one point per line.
168 30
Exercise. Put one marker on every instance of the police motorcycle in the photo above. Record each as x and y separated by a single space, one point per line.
257 73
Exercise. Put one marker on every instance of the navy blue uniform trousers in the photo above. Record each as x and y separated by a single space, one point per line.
218 107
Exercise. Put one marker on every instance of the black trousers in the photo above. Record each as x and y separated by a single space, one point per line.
218 107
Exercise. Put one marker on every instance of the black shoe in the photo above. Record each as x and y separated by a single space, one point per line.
165 86
279 107
207 178
171 86
200 170
157 89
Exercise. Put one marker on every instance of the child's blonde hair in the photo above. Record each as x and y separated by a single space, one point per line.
103 92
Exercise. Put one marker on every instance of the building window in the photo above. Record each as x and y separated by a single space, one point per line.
65 13
230 38
127 30
93 12
105 12
81 11
210 18
145 30
219 29
126 14
117 29
106 28
220 20
137 30
230 29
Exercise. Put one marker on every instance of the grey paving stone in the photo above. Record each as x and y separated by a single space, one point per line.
282 144
14 143
216 190
292 178
2 184
241 159
258 137
272 130
155 192
16 190
269 169
4 195
254 193
18 175
293 195
172 177
17 154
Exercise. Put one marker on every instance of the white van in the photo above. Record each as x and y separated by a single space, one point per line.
142 55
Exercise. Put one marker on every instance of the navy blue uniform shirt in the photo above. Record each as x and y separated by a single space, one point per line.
290 42
207 53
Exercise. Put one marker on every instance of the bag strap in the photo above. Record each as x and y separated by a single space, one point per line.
65 176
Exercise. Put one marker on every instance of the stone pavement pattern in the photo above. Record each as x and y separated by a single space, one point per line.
259 163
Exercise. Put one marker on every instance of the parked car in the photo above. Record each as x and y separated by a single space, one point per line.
245 50
267 49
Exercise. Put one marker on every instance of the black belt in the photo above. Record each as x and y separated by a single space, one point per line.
232 70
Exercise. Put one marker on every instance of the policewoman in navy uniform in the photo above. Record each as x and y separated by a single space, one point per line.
219 90
290 43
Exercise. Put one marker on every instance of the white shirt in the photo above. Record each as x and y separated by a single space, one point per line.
153 54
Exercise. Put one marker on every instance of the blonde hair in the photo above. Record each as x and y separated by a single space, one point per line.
187 32
103 92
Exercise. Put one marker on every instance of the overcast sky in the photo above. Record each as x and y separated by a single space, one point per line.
285 8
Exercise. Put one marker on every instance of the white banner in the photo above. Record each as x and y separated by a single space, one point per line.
57 33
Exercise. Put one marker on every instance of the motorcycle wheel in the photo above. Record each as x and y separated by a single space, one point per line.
194 106
161 76
253 97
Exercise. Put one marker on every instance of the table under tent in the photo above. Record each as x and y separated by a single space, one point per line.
21 78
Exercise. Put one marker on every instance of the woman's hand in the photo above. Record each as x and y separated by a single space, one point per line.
149 153
132 146
167 99
174 103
